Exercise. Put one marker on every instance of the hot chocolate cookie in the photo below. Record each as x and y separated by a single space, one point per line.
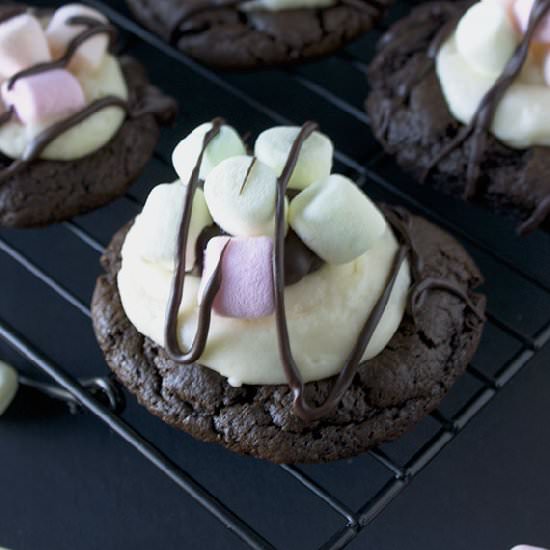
460 95
77 124
250 34
267 304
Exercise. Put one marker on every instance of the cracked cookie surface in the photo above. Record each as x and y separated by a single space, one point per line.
230 38
410 117
389 395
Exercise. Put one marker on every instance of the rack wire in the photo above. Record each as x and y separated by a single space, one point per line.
332 91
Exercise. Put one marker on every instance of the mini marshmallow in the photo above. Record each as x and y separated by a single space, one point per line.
522 11
8 386
486 38
246 290
315 160
45 97
226 144
22 44
241 196
60 33
336 220
527 547
157 226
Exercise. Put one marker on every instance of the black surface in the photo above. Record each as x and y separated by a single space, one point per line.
488 489
67 482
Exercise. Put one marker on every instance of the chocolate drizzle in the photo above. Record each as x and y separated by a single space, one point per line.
176 293
153 103
482 120
400 220
401 223
294 378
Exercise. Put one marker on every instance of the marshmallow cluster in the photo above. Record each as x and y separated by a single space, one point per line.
473 58
46 97
328 213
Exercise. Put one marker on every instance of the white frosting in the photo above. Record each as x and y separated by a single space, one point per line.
278 5
88 136
326 311
156 228
469 63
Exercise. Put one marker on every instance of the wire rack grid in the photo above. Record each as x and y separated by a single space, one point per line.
331 92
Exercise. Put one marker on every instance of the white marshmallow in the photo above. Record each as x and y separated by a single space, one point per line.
242 209
336 220
486 37
156 228
22 44
8 386
226 144
315 160
91 53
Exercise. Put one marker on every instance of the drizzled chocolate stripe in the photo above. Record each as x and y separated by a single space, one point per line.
401 223
292 373
176 293
399 220
481 122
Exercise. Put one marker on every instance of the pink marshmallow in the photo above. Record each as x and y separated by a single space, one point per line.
91 53
45 97
522 11
22 44
246 290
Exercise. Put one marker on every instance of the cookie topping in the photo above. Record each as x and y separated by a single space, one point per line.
244 274
514 112
60 80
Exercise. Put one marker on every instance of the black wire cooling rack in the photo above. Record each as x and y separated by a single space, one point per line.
331 92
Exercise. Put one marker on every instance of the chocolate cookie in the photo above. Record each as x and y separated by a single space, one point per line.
389 393
223 35
35 192
410 117
49 191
